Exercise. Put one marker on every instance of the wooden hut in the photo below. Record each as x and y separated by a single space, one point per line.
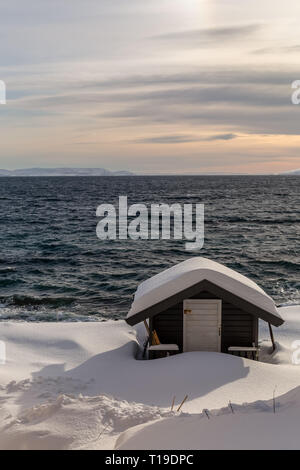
201 305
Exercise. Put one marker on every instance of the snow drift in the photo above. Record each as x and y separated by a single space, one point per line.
80 386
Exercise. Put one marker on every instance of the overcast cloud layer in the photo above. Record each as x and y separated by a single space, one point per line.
163 86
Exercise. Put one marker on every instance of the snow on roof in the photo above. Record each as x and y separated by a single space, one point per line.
192 271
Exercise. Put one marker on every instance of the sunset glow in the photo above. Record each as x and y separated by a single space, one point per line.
168 87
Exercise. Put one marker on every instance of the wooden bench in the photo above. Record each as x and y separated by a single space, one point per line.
163 350
245 349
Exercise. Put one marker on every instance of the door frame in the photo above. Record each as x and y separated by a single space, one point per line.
203 301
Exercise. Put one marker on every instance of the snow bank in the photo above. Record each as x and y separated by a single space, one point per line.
251 427
79 385
75 422
287 338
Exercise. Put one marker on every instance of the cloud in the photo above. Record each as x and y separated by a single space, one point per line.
277 50
259 102
89 79
239 118
228 136
195 38
44 32
167 139
252 95
198 76
183 139
238 99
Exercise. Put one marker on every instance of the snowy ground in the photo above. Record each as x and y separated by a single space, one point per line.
255 427
78 385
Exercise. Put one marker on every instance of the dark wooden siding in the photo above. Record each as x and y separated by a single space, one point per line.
239 328
169 325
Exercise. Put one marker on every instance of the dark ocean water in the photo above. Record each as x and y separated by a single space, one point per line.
53 267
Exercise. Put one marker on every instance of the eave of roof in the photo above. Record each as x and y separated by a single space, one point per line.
218 291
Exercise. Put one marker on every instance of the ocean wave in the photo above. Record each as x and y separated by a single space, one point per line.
279 263
290 303
250 220
45 315
7 269
30 301
10 282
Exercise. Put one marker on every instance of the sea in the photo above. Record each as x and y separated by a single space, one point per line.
53 267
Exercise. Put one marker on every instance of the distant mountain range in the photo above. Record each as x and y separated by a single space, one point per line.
292 172
64 172
99 172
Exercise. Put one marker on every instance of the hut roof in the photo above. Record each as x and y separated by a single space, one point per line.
175 282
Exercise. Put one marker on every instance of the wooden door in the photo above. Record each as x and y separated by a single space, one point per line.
202 325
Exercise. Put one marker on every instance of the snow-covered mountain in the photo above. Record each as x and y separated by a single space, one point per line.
64 172
292 172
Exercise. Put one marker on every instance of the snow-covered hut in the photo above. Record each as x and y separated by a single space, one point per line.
201 305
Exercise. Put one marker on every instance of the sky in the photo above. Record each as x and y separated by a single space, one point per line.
150 86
